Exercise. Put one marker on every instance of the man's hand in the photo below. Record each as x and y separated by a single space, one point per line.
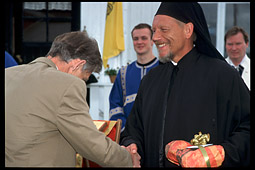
132 149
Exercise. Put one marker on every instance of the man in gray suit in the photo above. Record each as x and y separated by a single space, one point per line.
47 117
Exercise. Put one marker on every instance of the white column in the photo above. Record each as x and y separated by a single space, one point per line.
220 31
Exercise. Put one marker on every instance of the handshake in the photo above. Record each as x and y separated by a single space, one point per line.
132 149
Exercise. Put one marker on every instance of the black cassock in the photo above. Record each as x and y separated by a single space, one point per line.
207 95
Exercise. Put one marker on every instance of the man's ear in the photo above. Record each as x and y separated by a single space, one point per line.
189 28
152 43
77 63
247 44
81 63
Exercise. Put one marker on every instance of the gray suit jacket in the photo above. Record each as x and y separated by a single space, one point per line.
47 120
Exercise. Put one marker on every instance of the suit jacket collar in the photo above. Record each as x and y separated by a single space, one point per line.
44 60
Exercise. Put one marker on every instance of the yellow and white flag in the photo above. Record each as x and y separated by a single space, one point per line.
113 35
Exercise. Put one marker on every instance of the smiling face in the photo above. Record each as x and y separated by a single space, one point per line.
142 41
171 37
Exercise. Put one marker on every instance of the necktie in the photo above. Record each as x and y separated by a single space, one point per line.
240 69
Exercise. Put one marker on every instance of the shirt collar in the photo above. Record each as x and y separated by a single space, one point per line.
146 64
174 63
244 60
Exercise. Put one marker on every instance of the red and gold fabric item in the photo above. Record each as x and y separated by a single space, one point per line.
209 156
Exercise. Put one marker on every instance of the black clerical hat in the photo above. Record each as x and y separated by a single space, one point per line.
192 12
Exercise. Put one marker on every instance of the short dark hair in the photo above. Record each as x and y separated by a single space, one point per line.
141 26
72 45
234 30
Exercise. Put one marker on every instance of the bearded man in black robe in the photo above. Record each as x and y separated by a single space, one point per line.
192 90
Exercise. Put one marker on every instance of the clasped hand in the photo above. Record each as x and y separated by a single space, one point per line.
132 149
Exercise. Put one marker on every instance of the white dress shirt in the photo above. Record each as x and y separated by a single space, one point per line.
246 72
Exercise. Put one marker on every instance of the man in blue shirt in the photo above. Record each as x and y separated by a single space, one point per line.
127 82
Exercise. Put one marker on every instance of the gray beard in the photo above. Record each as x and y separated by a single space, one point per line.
166 58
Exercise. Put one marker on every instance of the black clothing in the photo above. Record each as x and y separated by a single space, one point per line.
207 95
92 79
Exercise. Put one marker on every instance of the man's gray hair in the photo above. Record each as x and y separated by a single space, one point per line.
72 45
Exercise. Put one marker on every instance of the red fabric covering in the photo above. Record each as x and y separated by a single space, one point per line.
112 133
178 153
172 147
